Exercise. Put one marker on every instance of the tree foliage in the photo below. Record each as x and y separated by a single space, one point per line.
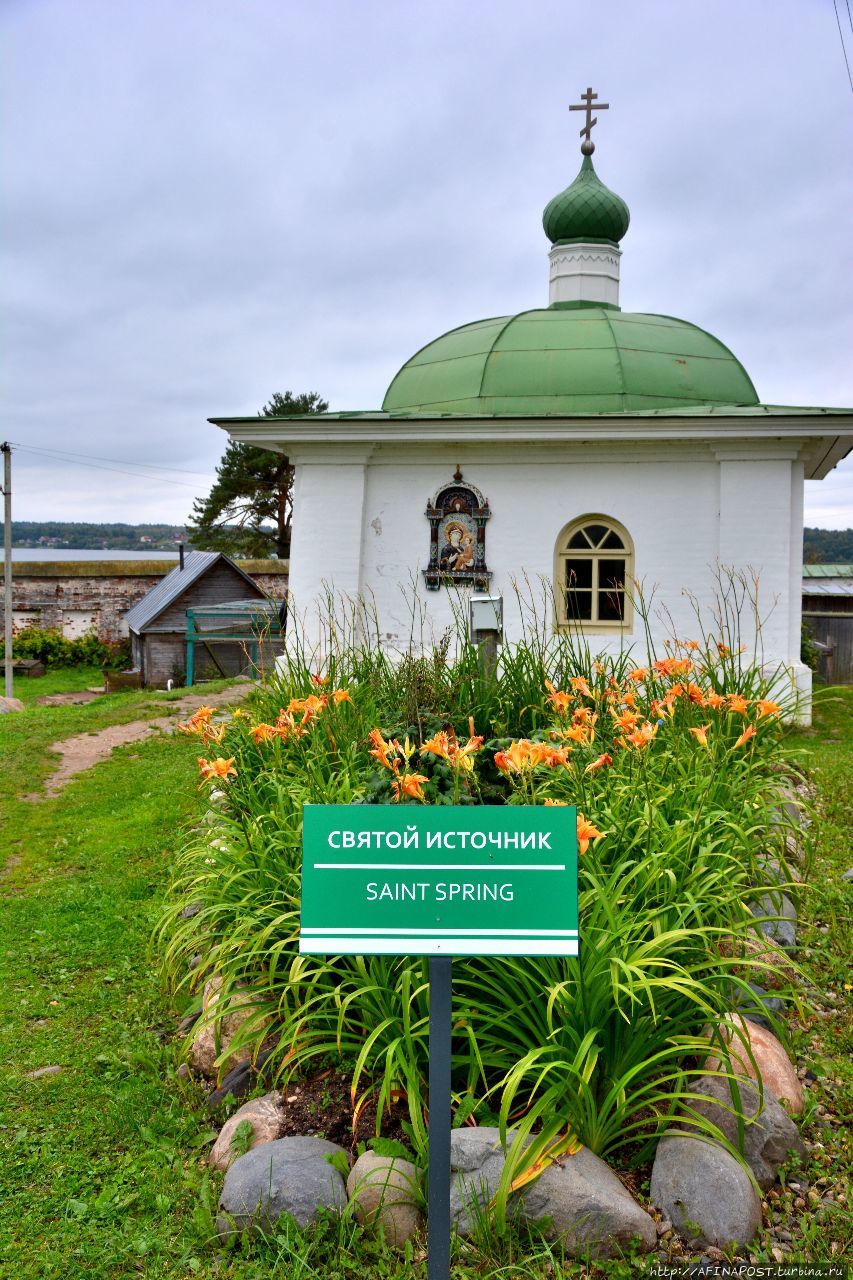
828 546
247 512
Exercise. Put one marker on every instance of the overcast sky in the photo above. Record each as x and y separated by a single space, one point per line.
207 201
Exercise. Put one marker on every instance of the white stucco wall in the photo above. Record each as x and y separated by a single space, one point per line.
360 529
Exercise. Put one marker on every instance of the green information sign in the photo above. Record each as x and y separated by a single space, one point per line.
439 880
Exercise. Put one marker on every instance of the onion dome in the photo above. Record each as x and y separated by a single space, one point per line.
586 211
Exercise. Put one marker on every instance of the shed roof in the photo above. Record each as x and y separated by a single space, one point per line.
173 586
828 570
828 587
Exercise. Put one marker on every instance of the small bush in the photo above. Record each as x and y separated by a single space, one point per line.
808 651
51 647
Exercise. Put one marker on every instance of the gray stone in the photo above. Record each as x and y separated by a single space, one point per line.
266 1116
385 1191
588 1208
215 1031
43 1071
767 1142
289 1175
776 916
590 1211
848 875
476 1163
704 1191
756 1006
8 705
769 872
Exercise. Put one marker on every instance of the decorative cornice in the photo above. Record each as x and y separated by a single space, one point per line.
824 440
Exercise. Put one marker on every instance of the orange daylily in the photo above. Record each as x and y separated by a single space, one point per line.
583 715
695 694
518 754
437 745
410 784
308 706
673 667
559 701
198 722
715 700
583 733
586 832
341 695
542 753
738 703
626 720
767 708
287 727
641 737
749 732
550 801
600 763
319 680
212 733
637 675
579 685
446 745
263 733
222 769
381 748
701 734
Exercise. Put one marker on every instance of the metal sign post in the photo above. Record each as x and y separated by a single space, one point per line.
438 1200
439 881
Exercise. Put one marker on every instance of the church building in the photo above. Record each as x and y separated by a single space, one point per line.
574 448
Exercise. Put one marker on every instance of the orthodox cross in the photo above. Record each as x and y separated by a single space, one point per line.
588 104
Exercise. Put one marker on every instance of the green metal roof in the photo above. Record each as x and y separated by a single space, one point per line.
586 210
828 570
570 360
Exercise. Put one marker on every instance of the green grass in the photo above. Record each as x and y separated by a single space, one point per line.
57 680
102 1164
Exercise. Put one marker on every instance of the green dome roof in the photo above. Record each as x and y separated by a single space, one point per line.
587 210
570 360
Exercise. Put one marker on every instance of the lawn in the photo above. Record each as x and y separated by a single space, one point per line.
103 1170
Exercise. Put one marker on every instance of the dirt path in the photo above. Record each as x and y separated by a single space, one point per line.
87 749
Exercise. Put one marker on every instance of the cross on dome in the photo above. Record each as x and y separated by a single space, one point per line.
588 104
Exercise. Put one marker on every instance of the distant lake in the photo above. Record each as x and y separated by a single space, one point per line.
67 553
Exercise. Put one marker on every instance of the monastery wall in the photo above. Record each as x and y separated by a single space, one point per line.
78 596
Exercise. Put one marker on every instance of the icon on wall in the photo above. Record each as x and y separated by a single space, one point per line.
457 551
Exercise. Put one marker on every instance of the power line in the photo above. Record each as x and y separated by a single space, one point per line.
94 457
849 19
841 38
183 484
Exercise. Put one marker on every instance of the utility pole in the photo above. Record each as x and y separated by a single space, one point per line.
6 450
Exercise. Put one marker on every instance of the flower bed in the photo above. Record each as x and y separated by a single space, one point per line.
674 766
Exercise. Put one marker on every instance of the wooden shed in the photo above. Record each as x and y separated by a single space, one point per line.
828 612
158 622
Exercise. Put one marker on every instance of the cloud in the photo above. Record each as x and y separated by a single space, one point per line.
209 202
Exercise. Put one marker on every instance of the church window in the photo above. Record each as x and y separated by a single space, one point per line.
595 558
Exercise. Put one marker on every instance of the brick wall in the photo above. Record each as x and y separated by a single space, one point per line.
81 595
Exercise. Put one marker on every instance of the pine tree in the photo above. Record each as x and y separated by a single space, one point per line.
247 512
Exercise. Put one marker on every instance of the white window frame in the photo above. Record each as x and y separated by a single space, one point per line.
562 553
